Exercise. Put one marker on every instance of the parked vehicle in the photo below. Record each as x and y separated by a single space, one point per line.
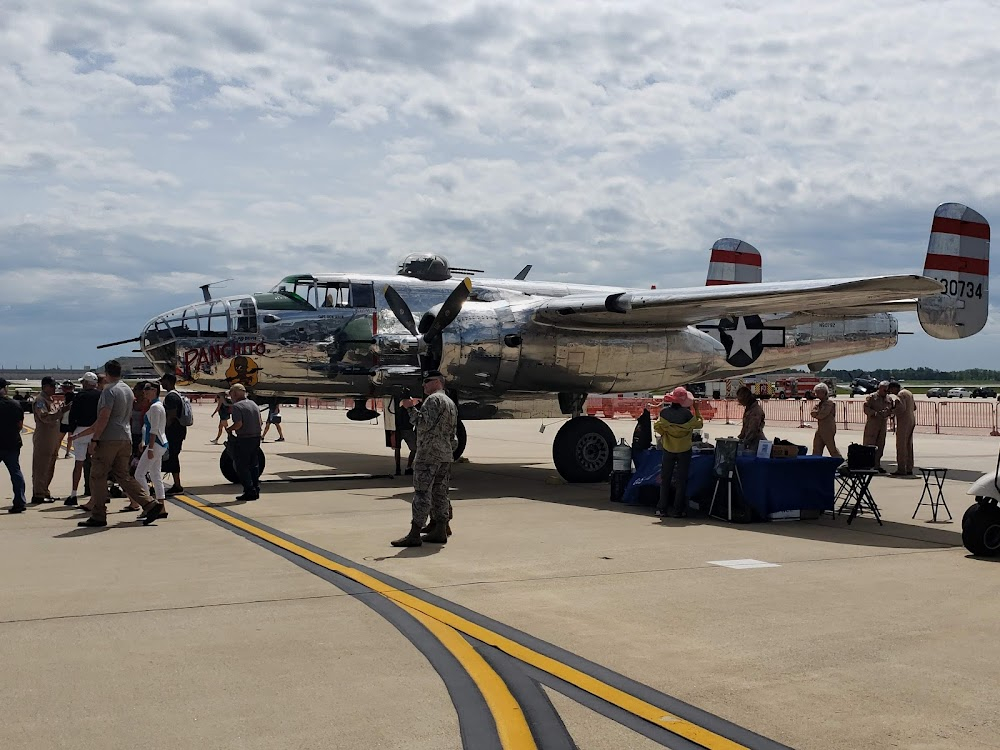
863 386
984 393
960 393
937 393
981 522
801 387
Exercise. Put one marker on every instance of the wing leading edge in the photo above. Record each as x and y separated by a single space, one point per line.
677 308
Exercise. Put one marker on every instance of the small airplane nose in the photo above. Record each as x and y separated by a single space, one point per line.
159 345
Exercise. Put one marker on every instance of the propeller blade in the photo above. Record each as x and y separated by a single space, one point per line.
117 343
449 310
400 309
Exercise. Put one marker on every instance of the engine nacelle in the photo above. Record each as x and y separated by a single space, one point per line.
496 347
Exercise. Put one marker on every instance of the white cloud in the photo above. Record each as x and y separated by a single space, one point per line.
599 141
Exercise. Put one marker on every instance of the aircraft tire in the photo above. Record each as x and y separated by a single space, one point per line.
582 450
981 532
463 438
228 469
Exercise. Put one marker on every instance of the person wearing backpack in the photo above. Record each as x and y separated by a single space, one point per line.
179 416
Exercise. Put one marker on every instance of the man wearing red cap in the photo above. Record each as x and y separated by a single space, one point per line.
675 426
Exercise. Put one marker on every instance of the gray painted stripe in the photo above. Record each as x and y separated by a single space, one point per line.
546 726
476 724
668 703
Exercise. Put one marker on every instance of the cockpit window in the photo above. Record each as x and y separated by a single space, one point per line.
362 295
334 294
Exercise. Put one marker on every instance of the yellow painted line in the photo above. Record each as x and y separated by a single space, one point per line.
636 706
512 727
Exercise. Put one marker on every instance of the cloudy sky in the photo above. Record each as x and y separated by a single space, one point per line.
147 148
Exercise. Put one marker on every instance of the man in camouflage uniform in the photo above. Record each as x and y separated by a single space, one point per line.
435 423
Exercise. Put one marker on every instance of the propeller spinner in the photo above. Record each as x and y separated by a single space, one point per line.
445 316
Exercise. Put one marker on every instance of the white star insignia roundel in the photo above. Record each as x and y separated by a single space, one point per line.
745 338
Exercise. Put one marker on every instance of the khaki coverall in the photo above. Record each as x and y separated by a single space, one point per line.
44 445
753 426
825 414
877 409
906 421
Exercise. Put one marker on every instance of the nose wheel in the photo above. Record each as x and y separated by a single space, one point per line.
582 450
228 468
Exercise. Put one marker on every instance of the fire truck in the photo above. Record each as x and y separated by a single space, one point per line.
800 386
765 386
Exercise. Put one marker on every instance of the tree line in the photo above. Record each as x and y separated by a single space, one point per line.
912 373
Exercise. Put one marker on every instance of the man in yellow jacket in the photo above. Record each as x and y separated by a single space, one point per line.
675 425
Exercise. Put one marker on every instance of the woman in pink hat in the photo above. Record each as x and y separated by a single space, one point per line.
675 425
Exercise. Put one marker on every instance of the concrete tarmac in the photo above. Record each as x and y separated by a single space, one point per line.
183 634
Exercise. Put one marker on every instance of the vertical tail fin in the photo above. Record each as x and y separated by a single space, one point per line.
958 255
733 262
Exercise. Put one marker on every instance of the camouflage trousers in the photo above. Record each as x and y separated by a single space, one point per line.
430 492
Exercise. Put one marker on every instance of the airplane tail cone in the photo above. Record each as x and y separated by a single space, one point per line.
958 256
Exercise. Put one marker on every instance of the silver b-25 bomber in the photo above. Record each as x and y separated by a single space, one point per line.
340 335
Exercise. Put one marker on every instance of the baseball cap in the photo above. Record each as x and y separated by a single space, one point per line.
89 377
49 380
68 384
432 374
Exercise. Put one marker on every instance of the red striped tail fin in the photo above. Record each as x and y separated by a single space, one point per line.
733 262
958 255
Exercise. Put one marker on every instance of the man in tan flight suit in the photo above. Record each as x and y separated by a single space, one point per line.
753 419
906 420
878 407
45 441
825 414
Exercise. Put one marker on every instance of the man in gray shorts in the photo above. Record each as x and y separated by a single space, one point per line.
111 451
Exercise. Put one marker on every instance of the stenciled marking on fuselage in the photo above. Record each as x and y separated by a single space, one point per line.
213 354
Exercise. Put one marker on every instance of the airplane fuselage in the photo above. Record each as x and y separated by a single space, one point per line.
333 335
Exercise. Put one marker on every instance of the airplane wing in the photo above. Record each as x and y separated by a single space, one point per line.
677 308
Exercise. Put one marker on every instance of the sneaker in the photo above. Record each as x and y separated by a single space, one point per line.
175 490
71 500
280 440
659 513
93 523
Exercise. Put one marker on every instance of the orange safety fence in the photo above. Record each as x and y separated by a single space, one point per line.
943 417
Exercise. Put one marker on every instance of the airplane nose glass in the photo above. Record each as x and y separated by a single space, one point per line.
157 343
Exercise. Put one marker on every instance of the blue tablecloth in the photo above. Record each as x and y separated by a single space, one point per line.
769 485
647 474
